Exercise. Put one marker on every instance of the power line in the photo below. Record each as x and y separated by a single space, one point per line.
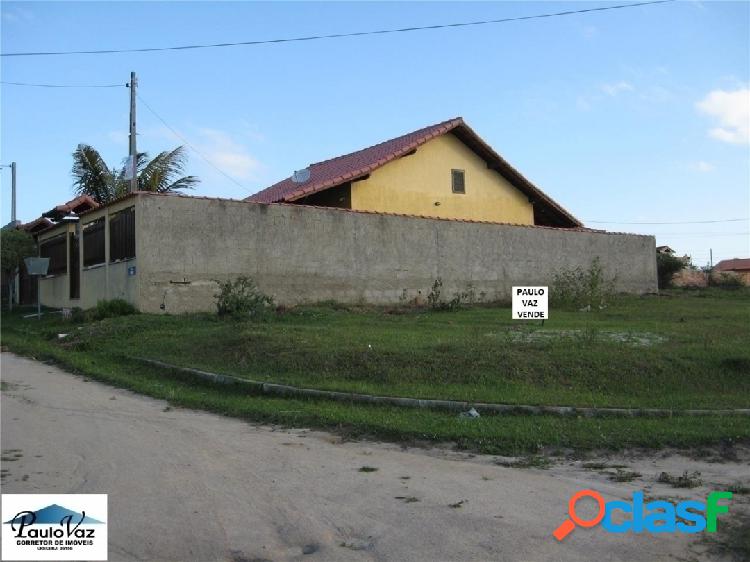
63 85
701 234
189 144
679 222
333 35
696 233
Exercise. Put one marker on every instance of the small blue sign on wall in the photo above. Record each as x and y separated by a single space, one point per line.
131 271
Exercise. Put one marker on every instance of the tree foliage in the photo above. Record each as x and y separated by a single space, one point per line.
15 245
163 174
667 267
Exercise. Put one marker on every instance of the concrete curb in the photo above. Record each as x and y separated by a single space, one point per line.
457 405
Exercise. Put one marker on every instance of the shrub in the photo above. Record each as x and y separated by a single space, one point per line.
111 309
436 302
433 298
725 281
241 298
77 315
667 267
583 288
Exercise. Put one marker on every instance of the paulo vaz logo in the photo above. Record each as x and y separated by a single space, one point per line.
54 526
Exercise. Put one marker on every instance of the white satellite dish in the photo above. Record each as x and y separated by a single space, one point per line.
301 176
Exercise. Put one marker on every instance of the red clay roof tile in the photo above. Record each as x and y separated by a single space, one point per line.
333 172
736 264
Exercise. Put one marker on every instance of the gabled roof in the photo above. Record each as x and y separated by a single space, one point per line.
349 167
736 264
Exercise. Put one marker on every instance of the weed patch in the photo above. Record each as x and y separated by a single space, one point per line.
624 475
686 480
532 461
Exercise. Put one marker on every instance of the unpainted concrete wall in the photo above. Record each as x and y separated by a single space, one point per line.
300 254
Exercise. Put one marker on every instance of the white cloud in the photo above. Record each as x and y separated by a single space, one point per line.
227 154
731 109
17 14
702 166
617 87
219 150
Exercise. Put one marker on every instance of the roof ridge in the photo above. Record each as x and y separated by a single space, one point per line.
353 165
415 132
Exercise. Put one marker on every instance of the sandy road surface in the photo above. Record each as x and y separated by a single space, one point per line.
187 485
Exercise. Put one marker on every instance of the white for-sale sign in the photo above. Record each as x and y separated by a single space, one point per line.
530 303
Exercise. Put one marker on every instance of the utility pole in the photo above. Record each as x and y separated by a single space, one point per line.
711 255
13 193
133 150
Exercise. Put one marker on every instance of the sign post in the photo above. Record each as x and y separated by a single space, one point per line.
37 267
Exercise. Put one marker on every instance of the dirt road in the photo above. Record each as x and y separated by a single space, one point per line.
187 485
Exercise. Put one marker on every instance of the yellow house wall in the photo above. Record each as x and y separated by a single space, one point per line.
413 184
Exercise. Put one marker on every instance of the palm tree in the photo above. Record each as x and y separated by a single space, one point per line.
93 177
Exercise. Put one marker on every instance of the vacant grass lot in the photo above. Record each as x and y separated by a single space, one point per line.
683 350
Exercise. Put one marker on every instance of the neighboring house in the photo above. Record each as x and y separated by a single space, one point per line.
37 225
26 286
737 266
666 250
445 170
76 206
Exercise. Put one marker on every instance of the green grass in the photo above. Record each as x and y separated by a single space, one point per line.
698 357
685 351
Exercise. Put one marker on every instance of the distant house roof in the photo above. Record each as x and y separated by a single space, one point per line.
78 205
357 165
736 264
664 250
37 225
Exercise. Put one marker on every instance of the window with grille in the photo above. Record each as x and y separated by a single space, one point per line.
56 249
457 181
93 243
122 235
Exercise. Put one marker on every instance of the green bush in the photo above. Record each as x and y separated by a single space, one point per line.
78 315
583 288
111 309
725 281
241 298
666 268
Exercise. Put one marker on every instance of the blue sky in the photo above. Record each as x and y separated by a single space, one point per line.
635 115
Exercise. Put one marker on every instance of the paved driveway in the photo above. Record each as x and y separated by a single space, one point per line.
186 485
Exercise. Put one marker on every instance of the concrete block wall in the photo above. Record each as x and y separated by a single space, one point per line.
301 254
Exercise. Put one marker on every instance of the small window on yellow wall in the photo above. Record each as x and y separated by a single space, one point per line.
457 181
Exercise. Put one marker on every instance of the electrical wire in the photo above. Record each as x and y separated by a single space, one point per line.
123 85
701 234
678 222
333 35
190 145
695 233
